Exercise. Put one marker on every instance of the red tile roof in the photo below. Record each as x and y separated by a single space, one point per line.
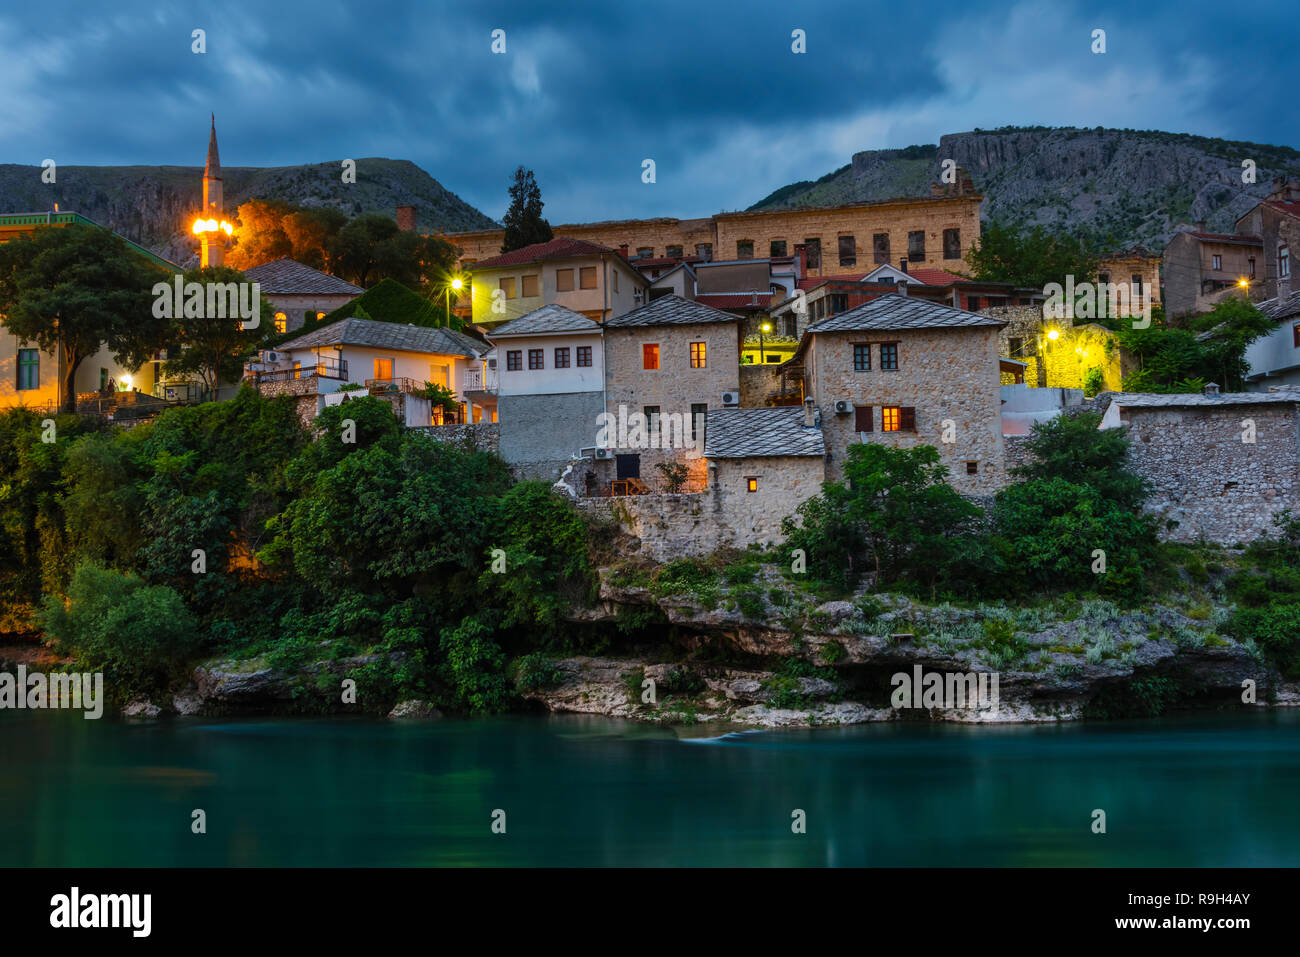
561 247
739 300
935 277
1286 206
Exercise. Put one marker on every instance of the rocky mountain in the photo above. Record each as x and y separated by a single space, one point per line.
153 205
1113 187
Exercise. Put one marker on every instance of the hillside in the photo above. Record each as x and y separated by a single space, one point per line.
153 204
1114 187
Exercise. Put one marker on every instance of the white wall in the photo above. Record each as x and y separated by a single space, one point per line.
1273 353
550 380
419 366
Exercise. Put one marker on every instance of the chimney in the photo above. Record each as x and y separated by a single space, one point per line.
406 218
902 287
1200 225
808 412
1211 388
902 264
801 260
622 250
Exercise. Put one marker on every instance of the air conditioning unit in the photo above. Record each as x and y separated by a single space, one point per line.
492 363
270 355
730 400
604 453
843 407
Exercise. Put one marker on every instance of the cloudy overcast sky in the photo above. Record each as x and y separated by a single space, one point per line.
587 90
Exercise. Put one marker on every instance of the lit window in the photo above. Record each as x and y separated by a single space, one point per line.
890 418
650 356
751 484
383 368
281 322
697 355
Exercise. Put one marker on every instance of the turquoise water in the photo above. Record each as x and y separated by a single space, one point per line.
1209 790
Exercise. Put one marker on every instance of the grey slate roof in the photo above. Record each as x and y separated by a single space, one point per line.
1153 400
670 311
893 311
548 319
291 278
749 433
388 335
1281 308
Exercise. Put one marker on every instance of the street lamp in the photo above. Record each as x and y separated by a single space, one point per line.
762 331
456 284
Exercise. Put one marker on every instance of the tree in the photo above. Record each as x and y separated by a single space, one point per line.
1074 449
371 248
271 229
1032 258
215 348
1211 349
76 288
523 220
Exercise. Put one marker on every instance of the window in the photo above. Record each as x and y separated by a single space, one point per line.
383 368
751 483
972 468
862 418
1137 284
1283 262
916 245
889 356
650 355
281 322
848 251
564 280
699 414
891 418
1218 263
584 355
645 252
839 302
651 413
561 357
880 247
674 252
103 380
972 303
1250 267
616 280
1014 346
1103 277
745 249
861 358
814 249
698 355
507 286
440 375
529 284
704 251
952 244
1295 335
777 248
29 369
535 359
514 360
587 277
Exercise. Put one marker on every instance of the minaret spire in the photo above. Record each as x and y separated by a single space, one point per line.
212 247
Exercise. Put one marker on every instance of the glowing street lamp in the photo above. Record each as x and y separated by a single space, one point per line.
762 331
458 284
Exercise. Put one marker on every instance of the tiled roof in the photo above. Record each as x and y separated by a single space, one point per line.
561 247
894 311
935 277
670 311
388 335
548 319
735 300
1283 307
1153 400
1133 252
1229 238
288 277
748 433
1286 206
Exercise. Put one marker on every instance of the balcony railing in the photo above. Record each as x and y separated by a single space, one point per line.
324 368
391 386
477 380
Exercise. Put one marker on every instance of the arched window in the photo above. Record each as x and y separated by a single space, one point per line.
281 322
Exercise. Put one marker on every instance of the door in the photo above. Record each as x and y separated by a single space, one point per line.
628 466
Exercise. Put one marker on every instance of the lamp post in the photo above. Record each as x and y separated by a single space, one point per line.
456 284
762 331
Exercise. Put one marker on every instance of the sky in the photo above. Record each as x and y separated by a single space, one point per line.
585 92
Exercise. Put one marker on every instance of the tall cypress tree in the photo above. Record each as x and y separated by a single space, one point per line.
524 222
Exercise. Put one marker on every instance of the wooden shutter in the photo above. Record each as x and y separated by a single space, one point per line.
907 419
862 418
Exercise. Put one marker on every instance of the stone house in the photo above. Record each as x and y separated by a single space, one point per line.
669 362
1245 447
1276 220
1139 270
585 277
300 293
363 356
550 386
908 372
1201 268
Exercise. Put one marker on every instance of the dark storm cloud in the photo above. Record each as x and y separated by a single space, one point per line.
586 91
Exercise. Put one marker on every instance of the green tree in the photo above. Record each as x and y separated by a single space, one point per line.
76 288
1032 258
1074 449
523 220
216 348
1212 348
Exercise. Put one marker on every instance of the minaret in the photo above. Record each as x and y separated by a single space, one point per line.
213 247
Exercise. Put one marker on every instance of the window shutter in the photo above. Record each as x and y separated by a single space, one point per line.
907 419
862 418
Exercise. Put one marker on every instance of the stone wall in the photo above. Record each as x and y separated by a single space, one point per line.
757 382
484 436
540 434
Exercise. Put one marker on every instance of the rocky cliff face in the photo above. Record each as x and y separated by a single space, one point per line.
1118 187
153 205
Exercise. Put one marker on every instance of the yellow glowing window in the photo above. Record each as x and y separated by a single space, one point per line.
698 355
281 322
751 485
891 417
650 355
383 368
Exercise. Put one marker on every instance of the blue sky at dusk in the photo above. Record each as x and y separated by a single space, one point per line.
587 90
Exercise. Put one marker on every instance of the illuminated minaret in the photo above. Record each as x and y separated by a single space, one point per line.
212 248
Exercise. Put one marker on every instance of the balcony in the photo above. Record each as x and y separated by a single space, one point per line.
323 369
401 384
478 380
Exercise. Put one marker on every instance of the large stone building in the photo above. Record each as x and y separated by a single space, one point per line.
934 231
907 372
1276 221
1201 269
299 293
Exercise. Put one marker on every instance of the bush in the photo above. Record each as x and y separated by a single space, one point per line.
1275 628
535 672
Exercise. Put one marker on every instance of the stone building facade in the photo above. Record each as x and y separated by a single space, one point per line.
1063 362
300 293
1201 268
1276 221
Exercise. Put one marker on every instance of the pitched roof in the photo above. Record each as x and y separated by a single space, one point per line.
894 311
388 335
1287 206
544 321
670 311
1154 400
748 433
1283 307
935 277
562 247
289 277
1229 238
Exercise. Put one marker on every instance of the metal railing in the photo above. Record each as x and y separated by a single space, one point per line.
325 369
398 384
476 380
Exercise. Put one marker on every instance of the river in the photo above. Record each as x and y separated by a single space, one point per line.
1203 790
